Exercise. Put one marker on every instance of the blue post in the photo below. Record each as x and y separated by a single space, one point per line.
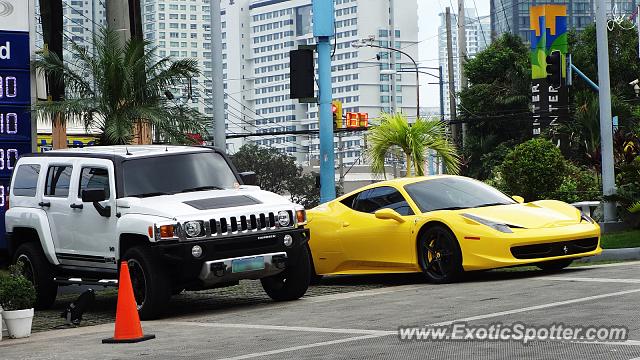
585 78
323 29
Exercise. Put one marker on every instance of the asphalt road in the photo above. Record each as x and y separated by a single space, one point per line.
364 323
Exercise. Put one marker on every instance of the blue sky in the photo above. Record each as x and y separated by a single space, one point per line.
428 22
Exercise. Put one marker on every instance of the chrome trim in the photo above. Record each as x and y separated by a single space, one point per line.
209 276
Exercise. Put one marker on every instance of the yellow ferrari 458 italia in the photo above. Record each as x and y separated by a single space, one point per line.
442 226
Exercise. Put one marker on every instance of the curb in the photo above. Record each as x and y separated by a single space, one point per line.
613 255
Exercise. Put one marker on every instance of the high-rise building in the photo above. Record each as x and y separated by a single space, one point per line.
513 15
478 34
257 36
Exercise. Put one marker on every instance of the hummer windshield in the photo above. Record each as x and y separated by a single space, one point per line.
172 174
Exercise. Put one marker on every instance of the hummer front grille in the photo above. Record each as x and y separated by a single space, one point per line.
241 224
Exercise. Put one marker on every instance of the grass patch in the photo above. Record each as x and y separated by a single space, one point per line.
625 239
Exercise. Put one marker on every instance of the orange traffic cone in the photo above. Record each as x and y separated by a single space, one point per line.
128 328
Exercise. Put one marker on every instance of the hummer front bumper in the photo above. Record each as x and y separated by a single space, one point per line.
255 267
201 271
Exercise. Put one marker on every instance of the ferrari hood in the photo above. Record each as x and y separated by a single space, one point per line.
535 215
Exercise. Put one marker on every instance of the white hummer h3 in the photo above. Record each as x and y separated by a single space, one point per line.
181 217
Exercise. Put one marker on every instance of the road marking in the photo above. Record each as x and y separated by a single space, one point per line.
362 293
589 279
303 347
624 263
284 328
626 343
537 307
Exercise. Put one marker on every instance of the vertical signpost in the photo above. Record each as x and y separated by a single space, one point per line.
548 34
15 93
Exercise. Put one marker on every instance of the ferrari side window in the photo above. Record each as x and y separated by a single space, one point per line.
383 197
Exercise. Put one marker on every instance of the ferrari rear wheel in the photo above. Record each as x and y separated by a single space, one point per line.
555 265
439 255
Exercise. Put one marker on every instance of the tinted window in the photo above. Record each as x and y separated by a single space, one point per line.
58 180
454 193
176 173
94 178
384 197
26 180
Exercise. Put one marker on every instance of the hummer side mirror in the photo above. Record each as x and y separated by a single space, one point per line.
95 196
248 178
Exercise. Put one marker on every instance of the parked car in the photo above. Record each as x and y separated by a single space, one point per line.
442 226
180 216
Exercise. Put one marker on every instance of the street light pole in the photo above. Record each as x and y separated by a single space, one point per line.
606 128
367 43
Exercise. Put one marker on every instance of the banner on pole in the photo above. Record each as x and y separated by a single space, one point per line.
548 33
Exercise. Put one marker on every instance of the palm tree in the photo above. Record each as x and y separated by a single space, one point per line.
119 87
394 133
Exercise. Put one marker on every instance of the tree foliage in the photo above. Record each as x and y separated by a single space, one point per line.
119 86
496 104
277 172
394 131
534 170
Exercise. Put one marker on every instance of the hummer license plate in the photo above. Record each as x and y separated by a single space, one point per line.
250 264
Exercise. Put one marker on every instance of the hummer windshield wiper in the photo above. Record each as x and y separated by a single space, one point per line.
150 194
202 188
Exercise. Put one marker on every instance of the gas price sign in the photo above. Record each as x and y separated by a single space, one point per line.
15 93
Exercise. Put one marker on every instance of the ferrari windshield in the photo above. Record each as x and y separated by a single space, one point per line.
453 193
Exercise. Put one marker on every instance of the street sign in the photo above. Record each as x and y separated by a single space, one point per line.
16 131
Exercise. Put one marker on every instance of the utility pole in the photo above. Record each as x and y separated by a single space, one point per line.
323 30
118 18
606 127
462 55
125 18
452 85
341 160
217 128
392 62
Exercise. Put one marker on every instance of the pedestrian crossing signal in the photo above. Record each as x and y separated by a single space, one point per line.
357 120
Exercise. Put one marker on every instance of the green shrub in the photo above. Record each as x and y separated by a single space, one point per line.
534 170
16 291
579 184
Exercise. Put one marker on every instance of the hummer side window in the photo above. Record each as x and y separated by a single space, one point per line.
94 178
26 180
58 180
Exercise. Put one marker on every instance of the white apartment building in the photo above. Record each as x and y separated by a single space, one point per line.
478 33
257 37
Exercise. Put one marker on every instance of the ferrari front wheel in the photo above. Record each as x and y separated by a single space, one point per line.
439 255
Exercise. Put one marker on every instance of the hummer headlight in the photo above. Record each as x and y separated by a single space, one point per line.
194 228
283 218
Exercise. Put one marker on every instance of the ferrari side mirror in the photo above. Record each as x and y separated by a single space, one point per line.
389 214
518 199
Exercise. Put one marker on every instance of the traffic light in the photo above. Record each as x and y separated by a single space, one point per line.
301 74
336 109
554 69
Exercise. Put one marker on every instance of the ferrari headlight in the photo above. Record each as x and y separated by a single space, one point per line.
586 218
492 224
194 228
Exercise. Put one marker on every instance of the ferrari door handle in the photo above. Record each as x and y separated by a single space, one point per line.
76 206
345 224
44 204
